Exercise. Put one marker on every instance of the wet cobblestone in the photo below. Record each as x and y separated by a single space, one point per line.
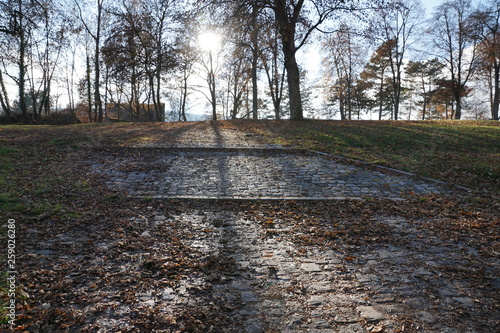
277 286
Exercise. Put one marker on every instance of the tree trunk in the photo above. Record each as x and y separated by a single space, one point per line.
22 68
184 94
286 28
349 97
211 86
159 112
496 93
4 99
397 97
424 108
106 94
255 101
46 101
159 70
381 100
97 93
255 58
89 87
293 79
458 107
276 82
342 108
22 73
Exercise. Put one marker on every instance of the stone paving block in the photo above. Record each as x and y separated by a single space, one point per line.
317 300
466 301
370 313
354 328
346 318
321 287
320 323
426 317
249 297
311 267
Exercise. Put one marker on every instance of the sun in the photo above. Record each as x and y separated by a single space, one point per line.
209 41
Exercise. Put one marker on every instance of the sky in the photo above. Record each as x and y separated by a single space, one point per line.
430 4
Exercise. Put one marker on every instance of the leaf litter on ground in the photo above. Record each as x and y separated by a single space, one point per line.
91 258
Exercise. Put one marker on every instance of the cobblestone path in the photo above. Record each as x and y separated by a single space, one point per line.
275 284
205 160
278 286
210 173
211 162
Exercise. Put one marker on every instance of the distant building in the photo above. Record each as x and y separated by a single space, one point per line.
141 113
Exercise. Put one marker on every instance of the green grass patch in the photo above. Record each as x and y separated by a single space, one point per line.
8 150
10 203
7 155
3 292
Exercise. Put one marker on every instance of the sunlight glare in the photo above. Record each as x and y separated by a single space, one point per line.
209 41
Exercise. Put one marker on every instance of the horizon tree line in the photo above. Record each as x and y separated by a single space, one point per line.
380 57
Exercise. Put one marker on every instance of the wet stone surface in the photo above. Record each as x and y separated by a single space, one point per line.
248 173
265 282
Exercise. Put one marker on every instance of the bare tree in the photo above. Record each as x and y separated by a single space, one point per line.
245 20
344 57
487 21
272 61
210 51
94 29
397 22
4 94
154 37
124 55
296 21
238 74
211 67
68 71
186 59
457 46
16 26
4 99
47 44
